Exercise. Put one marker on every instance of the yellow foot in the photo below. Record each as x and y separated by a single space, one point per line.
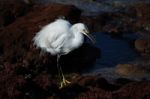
64 83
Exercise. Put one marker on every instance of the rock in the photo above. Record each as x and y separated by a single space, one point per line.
86 87
87 6
126 19
114 23
142 46
131 70
136 90
123 81
90 22
10 82
79 59
95 93
10 10
143 14
119 21
43 81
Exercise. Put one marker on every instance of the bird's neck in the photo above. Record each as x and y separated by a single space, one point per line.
78 39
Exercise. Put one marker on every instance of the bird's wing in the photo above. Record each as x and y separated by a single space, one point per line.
58 32
58 44
52 37
58 41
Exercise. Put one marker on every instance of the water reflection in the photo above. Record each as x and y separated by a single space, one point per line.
80 59
113 50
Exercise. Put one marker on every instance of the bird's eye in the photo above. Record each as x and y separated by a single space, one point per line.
84 30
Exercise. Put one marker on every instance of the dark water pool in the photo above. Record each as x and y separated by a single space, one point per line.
113 50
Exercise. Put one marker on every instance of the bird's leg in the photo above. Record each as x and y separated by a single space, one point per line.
64 81
58 68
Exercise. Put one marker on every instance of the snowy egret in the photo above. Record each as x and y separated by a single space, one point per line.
60 38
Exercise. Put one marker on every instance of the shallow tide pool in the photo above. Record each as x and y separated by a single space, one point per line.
113 51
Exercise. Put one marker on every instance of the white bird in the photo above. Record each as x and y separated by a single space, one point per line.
60 38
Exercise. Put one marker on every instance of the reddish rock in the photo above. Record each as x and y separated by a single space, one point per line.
142 46
12 9
95 93
9 82
16 48
135 90
143 14
131 18
113 22
43 80
96 81
91 22
121 21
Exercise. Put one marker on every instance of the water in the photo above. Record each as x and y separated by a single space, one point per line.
113 51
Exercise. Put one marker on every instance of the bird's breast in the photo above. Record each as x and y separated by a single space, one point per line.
77 40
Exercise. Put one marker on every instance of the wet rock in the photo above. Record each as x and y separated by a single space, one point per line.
142 46
123 81
143 14
87 6
131 70
90 22
119 21
97 81
114 23
126 90
126 19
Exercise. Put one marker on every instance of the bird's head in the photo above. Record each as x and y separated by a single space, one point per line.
82 28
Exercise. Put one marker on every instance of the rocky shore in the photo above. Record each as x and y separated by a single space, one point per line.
26 73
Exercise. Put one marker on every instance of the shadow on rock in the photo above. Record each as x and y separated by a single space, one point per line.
80 59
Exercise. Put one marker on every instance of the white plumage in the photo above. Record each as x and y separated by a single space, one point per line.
59 38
